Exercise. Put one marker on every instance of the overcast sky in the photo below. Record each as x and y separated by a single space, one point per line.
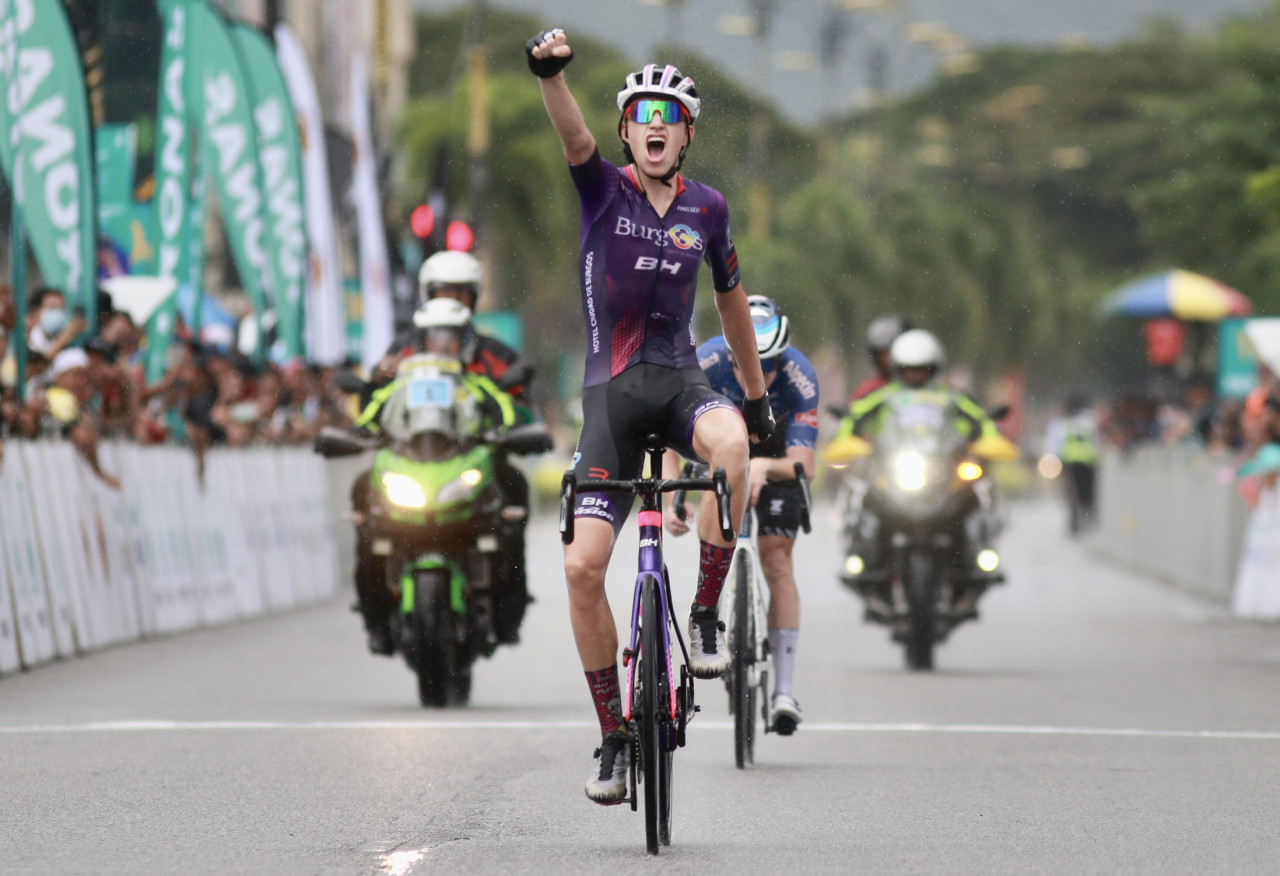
635 28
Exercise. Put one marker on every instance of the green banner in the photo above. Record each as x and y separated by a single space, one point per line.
48 156
280 155
228 143
175 219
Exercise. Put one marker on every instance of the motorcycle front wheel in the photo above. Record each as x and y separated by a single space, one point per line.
920 585
435 654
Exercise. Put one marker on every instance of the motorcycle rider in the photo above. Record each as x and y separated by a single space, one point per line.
457 276
445 329
645 231
792 385
881 334
916 357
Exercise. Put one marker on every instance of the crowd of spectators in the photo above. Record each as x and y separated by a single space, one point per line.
1234 427
89 387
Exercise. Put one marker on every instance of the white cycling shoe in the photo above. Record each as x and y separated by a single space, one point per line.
608 782
784 715
708 652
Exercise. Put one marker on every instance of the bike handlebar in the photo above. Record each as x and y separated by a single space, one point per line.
801 479
718 482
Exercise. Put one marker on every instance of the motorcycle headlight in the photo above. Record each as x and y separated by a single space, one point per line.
969 471
460 487
909 471
403 491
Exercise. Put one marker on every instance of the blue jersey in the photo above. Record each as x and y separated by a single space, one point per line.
639 271
793 395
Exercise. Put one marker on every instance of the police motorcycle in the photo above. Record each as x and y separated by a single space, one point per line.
434 511
919 516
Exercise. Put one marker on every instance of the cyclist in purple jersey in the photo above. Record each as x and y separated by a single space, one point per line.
775 494
645 230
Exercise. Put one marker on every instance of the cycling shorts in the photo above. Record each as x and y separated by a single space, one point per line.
617 416
778 509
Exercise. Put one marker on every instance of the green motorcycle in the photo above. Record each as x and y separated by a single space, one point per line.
433 515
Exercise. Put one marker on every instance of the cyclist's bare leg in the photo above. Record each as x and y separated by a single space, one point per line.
720 437
585 562
776 563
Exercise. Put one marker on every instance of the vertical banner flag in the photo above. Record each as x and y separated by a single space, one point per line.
48 153
173 172
375 268
280 156
325 339
228 144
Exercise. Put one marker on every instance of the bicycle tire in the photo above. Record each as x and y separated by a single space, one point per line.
651 705
741 690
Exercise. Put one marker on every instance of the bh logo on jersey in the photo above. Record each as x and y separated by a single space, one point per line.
685 237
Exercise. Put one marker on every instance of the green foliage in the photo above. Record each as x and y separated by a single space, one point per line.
995 207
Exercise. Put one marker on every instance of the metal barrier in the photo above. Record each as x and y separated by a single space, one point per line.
83 566
1172 511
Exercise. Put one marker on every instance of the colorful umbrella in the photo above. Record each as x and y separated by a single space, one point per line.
1179 294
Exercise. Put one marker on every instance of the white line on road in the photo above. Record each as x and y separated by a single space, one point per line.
1006 729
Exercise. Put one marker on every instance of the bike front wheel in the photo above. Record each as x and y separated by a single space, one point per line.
742 692
656 757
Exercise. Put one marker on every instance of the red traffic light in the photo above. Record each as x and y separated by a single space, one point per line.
422 221
459 237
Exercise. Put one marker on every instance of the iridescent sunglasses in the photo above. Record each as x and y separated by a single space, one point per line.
644 109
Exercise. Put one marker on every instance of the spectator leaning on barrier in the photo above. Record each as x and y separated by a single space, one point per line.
50 329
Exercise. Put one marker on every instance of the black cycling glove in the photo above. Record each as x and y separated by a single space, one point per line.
759 416
545 68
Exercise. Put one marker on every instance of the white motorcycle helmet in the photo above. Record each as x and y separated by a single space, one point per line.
450 268
917 348
446 328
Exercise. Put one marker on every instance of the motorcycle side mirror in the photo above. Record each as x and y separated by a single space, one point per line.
333 442
999 412
520 372
350 382
525 440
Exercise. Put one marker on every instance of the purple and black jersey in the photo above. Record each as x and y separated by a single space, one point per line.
793 396
639 271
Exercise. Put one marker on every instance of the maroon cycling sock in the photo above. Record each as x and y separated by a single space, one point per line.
712 570
604 693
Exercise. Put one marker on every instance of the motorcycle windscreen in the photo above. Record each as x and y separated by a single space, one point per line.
429 401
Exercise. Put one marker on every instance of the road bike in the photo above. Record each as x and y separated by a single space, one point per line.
747 681
656 708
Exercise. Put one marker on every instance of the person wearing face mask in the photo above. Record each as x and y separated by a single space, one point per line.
51 329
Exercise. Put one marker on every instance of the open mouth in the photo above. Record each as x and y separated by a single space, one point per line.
656 146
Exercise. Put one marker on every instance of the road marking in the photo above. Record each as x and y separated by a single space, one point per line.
812 727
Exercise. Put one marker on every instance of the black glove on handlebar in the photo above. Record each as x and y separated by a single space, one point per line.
759 416
545 68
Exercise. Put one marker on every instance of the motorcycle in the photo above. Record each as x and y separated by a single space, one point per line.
920 513
434 512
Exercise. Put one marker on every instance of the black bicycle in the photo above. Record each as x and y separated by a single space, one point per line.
655 708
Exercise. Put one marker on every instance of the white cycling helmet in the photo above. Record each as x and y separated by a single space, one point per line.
449 268
917 348
655 81
773 332
444 318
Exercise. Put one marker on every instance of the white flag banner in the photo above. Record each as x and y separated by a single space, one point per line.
375 266
325 330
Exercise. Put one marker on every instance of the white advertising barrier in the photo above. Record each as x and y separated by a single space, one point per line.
21 568
221 483
1257 590
65 608
83 565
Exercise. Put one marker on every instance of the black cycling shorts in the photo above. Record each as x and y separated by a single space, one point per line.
778 509
618 415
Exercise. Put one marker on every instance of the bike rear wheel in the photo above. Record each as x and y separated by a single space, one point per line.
741 691
653 705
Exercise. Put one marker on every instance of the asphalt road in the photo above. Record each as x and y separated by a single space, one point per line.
1091 722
